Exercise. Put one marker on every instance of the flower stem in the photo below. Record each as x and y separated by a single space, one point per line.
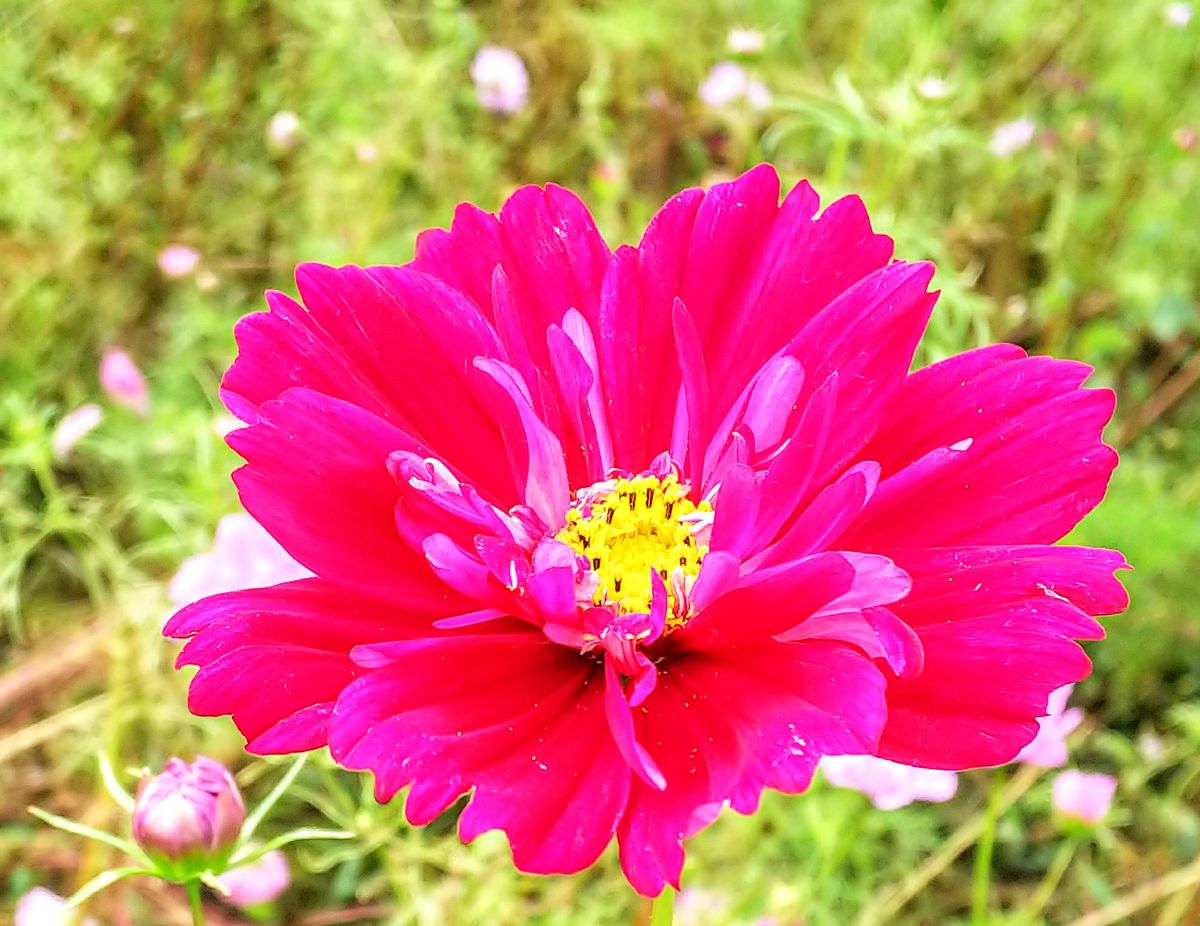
983 854
193 893
662 908
1045 890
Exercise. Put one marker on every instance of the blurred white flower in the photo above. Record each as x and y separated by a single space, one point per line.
746 41
933 88
40 907
501 81
177 260
72 427
283 131
728 83
1011 137
1178 15
366 151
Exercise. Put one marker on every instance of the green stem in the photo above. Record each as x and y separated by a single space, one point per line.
662 908
1054 874
983 853
193 893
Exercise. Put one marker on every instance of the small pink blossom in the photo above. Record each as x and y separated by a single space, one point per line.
257 883
501 81
728 84
72 427
1011 137
1185 138
889 785
1083 796
178 260
243 555
1049 747
123 381
1178 15
283 131
188 809
746 41
40 907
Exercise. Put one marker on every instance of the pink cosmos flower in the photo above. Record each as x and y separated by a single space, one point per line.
501 81
1083 796
123 381
40 907
728 84
610 540
889 785
178 260
257 883
243 555
1011 137
73 427
1049 747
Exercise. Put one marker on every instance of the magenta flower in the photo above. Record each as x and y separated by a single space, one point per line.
188 810
257 883
889 785
243 555
612 540
123 381
501 81
1084 797
1049 747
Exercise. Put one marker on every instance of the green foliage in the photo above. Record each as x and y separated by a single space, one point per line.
124 128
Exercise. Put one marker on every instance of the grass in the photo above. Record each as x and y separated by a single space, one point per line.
124 128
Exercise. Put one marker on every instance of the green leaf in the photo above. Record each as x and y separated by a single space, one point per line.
113 785
247 855
88 832
255 818
103 880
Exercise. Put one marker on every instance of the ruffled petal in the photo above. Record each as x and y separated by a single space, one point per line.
278 658
1012 455
316 477
510 715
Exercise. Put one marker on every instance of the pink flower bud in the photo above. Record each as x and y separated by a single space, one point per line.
122 380
40 907
188 810
1084 796
177 260
258 882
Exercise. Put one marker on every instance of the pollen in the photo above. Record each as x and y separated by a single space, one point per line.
640 525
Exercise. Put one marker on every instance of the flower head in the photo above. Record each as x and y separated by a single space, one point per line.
889 785
73 427
501 81
1178 15
283 131
728 84
178 260
123 382
1083 797
188 810
745 41
40 907
612 540
1011 137
257 883
1049 747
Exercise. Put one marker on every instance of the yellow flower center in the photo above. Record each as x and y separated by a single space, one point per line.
639 526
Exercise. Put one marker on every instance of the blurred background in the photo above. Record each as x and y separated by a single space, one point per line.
162 163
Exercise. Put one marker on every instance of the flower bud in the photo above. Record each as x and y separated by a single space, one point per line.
1083 797
123 381
188 810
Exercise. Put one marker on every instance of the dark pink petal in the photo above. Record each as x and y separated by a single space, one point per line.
512 716
277 658
1013 454
997 626
316 478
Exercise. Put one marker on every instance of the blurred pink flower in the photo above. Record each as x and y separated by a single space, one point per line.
123 381
243 555
1083 796
1011 137
177 260
72 427
40 907
258 882
283 131
746 41
1049 747
366 151
889 785
1178 15
728 84
501 81
1185 138
188 809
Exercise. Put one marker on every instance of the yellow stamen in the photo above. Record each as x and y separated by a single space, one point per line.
634 529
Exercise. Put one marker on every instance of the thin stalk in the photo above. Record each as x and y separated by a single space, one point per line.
662 908
982 879
1058 867
194 903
